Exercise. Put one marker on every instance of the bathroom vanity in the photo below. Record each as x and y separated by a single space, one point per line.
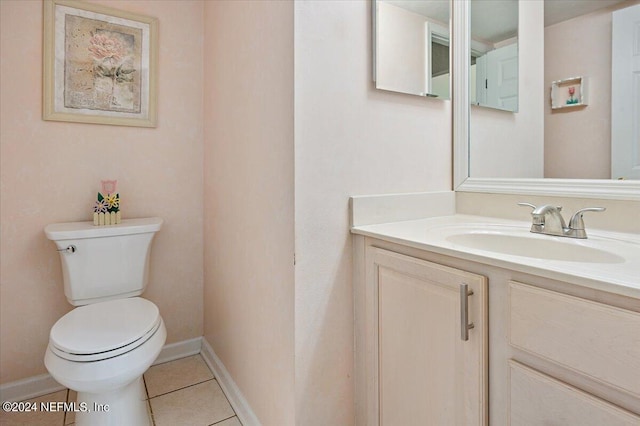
469 320
472 320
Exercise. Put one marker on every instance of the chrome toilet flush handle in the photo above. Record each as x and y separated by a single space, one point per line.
70 249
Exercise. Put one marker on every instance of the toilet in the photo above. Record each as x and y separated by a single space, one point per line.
102 347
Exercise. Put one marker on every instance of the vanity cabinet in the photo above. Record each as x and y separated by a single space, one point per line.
542 352
426 342
590 341
538 399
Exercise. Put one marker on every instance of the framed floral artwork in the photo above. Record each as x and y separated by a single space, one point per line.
99 65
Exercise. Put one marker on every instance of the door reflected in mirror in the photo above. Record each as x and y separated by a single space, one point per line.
411 47
494 54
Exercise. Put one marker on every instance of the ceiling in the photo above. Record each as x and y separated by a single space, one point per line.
561 10
496 20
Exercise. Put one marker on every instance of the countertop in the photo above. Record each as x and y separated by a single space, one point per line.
619 276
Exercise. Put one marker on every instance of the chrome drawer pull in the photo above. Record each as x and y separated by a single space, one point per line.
464 312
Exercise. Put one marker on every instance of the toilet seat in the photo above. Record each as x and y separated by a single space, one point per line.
104 330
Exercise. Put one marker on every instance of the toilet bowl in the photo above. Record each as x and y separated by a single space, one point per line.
102 348
101 351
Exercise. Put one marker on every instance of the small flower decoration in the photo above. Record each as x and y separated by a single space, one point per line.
109 186
113 201
572 90
100 207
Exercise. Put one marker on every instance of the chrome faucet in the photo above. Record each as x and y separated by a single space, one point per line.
547 219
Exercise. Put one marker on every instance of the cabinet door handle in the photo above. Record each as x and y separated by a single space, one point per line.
464 312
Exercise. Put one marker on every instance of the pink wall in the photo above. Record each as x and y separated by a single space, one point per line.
577 142
349 139
50 172
222 160
248 215
579 47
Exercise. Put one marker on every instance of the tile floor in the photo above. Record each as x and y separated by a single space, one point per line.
180 392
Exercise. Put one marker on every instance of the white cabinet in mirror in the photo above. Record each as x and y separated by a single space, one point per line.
494 55
496 152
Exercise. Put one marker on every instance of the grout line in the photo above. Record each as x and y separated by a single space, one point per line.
223 393
148 400
182 388
173 360
220 421
66 413
146 390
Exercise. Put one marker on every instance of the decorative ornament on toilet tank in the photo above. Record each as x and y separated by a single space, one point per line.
106 210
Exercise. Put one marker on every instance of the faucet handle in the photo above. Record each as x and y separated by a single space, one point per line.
576 221
536 222
527 205
559 208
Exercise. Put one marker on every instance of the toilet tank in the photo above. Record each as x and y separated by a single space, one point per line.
102 263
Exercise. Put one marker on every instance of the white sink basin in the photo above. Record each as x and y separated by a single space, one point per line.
607 261
535 246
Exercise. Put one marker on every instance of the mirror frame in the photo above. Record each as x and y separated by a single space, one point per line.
462 182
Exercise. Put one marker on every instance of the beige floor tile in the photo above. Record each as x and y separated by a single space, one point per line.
35 418
170 376
233 421
201 404
71 416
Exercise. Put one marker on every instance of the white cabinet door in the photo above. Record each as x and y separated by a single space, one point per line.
420 370
497 78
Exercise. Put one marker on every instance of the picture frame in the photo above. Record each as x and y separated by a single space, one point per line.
99 65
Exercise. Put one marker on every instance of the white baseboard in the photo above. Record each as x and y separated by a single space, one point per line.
240 405
179 350
43 384
31 387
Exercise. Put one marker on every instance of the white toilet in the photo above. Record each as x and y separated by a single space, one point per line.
102 349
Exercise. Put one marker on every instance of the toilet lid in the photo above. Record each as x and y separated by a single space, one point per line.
96 331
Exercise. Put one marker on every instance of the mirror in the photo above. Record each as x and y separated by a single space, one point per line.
505 153
411 47
592 79
493 71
